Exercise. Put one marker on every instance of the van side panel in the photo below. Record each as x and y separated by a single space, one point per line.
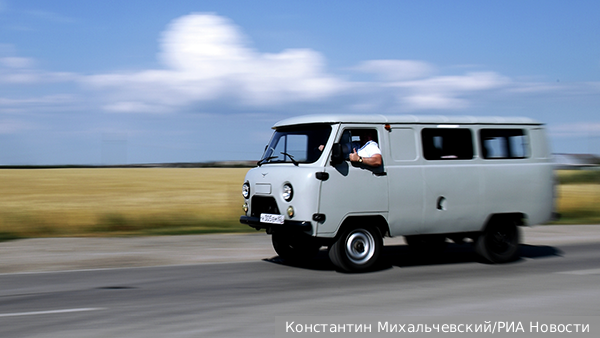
545 177
544 194
405 172
524 188
453 182
453 202
449 196
509 187
522 185
539 144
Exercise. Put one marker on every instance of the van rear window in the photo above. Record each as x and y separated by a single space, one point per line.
447 144
504 143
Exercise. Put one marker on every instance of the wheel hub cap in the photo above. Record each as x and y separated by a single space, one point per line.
360 247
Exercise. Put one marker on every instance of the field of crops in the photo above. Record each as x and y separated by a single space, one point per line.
579 196
150 201
100 202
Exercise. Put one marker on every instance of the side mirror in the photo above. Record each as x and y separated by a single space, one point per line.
337 156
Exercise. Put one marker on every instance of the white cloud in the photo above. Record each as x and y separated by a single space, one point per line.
133 107
446 92
44 100
199 42
207 58
21 70
396 70
46 103
16 62
469 82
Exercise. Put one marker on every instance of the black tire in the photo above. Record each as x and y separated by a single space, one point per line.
294 247
357 249
499 243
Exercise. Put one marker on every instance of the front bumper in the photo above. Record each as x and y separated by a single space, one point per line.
288 225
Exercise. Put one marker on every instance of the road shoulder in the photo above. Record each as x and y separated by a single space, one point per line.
63 254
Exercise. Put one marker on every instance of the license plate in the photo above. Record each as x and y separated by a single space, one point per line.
271 218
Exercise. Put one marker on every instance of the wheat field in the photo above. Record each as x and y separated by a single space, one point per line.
578 196
84 202
148 201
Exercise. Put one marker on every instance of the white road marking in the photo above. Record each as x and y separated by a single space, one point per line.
35 313
582 272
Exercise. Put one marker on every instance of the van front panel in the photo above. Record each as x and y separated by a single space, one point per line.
267 192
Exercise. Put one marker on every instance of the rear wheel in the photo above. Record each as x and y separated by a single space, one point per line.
294 247
357 249
499 243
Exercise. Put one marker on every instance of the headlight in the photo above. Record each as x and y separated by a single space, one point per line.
246 190
288 192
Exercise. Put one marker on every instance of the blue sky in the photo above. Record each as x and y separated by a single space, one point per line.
142 81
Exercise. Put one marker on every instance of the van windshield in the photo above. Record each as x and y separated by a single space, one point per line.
300 144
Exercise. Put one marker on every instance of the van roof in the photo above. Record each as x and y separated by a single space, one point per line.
404 119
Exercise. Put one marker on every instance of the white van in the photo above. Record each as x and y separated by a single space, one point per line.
440 178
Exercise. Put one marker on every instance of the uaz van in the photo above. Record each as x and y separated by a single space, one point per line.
436 179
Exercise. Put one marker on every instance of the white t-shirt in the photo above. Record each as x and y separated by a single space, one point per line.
369 149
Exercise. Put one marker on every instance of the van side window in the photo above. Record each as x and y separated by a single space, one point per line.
447 144
503 143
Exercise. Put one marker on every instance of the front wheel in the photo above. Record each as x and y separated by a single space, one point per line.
357 249
499 243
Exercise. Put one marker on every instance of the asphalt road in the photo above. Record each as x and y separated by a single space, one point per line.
556 281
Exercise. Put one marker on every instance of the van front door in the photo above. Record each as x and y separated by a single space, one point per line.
352 189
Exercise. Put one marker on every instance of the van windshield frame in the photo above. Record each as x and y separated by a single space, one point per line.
297 144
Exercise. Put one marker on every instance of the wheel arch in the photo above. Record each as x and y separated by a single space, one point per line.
377 221
519 218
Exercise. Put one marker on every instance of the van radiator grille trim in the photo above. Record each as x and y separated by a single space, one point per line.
263 205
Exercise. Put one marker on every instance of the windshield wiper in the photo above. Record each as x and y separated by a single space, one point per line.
291 157
264 160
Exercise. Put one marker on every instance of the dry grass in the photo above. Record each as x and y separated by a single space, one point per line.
83 202
578 196
108 202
